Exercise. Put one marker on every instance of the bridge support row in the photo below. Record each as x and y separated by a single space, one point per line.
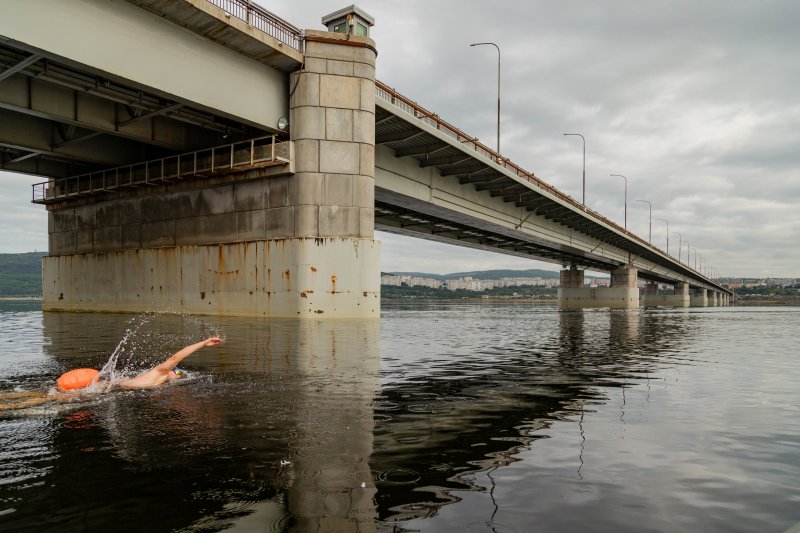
624 293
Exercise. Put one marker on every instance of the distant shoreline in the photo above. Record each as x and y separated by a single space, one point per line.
20 298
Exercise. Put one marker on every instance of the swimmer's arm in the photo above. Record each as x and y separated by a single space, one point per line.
173 361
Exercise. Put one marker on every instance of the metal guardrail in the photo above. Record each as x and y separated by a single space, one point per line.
388 94
260 18
200 163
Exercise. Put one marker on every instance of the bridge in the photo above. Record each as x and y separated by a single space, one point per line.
209 157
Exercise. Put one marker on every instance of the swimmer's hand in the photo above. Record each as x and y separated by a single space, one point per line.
212 341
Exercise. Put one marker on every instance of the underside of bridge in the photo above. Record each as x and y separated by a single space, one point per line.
59 120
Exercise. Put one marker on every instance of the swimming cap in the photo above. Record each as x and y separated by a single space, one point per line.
78 378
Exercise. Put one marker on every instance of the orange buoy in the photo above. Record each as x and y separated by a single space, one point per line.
78 378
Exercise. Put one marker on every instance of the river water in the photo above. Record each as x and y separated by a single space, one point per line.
439 417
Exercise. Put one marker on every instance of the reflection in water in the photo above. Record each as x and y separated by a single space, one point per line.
275 426
475 415
451 417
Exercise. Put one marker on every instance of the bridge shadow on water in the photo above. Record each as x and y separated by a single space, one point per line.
437 430
301 426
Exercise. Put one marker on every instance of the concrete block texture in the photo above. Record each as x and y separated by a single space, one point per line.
366 222
62 243
306 155
342 52
62 220
364 127
160 233
364 70
340 68
339 157
279 223
366 160
364 192
251 225
368 95
338 190
307 122
306 220
306 87
208 228
339 91
315 64
339 124
250 195
338 221
306 188
279 192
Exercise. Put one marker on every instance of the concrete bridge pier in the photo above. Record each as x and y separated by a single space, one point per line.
622 294
294 244
679 297
332 117
699 298
713 300
651 297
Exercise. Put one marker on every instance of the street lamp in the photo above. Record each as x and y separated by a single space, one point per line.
650 231
498 91
680 240
584 163
688 255
626 198
667 221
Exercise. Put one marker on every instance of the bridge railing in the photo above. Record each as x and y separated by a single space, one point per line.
260 18
201 163
388 94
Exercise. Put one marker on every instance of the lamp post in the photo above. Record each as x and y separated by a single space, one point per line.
498 91
680 241
688 255
584 163
650 231
626 198
667 221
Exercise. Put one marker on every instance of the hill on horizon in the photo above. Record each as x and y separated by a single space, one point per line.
486 274
21 274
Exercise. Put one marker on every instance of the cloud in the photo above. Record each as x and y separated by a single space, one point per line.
23 225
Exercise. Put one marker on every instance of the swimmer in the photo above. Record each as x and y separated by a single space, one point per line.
75 381
81 378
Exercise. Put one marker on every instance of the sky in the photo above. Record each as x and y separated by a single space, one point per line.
696 103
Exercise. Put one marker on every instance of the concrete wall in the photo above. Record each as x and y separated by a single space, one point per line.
296 278
189 213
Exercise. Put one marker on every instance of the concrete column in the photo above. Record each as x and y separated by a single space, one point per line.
680 296
571 292
699 298
651 297
623 293
292 242
712 299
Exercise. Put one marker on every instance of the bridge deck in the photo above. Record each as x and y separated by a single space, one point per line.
410 130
